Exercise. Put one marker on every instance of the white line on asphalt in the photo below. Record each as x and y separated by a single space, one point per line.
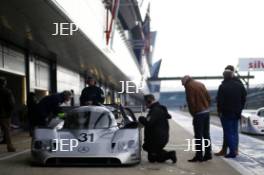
15 154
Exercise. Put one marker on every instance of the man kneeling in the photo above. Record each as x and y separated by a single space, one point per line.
156 131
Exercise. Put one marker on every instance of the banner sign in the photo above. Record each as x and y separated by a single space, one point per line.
251 64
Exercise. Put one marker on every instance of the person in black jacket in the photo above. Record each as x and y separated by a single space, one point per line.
231 98
156 131
7 103
223 151
31 108
92 95
49 107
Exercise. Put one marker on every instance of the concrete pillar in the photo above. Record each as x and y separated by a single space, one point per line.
53 76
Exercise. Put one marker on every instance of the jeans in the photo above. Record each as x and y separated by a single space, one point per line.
224 146
201 125
230 127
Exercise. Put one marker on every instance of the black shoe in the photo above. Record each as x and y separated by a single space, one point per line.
195 159
206 158
230 155
173 156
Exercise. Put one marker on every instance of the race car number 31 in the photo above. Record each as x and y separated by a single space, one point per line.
85 137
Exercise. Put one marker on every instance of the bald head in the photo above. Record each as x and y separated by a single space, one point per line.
149 99
228 74
185 79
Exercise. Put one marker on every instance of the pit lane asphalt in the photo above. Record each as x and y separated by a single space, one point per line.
216 121
19 163
250 159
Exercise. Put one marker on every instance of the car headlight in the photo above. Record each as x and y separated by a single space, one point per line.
42 145
122 146
126 145
131 144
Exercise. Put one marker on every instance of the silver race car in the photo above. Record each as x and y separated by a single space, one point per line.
89 135
252 121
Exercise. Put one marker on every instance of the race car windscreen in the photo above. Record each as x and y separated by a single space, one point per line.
89 120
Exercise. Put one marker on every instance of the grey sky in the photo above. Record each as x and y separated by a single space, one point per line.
200 37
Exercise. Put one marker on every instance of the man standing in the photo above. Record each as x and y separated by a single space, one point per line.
7 103
198 101
231 98
48 107
31 108
156 131
223 151
92 95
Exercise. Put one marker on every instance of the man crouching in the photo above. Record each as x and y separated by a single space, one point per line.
156 131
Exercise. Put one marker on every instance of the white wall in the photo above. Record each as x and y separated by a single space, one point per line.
90 17
68 80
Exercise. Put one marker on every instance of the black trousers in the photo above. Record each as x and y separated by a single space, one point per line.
160 156
156 153
201 125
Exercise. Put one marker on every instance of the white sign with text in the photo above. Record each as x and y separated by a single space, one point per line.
251 64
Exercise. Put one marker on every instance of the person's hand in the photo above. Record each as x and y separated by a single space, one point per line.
142 120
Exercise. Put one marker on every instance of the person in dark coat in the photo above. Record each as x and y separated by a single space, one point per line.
31 108
156 131
92 95
223 151
49 106
231 98
7 103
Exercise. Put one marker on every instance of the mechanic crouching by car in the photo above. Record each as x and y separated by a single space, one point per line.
92 95
49 106
156 131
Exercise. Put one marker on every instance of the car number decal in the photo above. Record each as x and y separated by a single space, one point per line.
85 137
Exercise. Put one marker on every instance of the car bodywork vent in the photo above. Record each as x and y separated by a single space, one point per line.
83 161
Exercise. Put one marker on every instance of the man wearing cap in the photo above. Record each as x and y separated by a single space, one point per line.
156 133
231 98
198 101
49 107
7 103
92 95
